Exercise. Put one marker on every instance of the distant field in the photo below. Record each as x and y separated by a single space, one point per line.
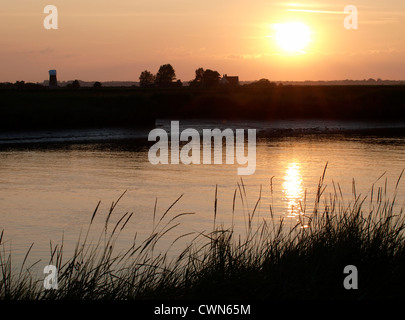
129 106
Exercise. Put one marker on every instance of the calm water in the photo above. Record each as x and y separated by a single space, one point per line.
50 183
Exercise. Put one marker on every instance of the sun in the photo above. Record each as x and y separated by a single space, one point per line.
293 36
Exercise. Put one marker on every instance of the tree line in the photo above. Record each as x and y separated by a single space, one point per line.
166 77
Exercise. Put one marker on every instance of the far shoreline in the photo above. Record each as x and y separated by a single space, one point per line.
138 136
42 108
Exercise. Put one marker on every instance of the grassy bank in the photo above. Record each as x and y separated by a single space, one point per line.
270 261
90 107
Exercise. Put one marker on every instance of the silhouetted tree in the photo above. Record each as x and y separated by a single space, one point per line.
75 84
97 85
146 79
199 74
197 81
210 78
165 76
262 84
20 84
205 78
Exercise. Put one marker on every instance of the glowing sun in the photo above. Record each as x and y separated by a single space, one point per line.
292 36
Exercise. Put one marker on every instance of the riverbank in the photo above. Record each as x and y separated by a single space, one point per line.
61 108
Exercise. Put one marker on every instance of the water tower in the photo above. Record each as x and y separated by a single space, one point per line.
52 78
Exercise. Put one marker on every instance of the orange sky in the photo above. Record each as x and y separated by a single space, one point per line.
100 40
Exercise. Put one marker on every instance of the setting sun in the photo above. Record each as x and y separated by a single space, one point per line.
292 36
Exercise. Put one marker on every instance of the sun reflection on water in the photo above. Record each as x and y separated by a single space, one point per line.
293 189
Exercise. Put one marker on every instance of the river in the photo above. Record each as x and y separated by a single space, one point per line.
51 182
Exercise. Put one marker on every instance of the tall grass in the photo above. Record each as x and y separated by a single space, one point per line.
270 261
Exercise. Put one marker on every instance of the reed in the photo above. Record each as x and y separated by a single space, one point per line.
268 261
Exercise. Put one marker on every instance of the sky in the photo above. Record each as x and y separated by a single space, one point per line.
104 40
